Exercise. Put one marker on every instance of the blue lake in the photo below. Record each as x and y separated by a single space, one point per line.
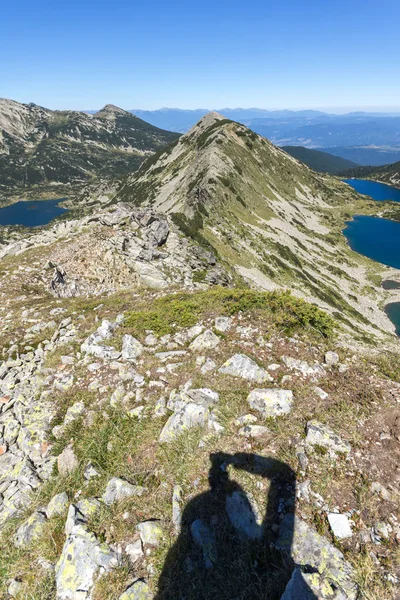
31 213
376 238
377 191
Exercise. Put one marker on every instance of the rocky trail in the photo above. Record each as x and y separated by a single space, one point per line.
112 408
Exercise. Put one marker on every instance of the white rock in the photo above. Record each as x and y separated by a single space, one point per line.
131 348
205 341
223 324
242 366
271 402
340 525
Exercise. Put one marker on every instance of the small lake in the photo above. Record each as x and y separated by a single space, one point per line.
375 238
377 191
31 213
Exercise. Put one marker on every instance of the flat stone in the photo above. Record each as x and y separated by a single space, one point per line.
139 590
204 538
271 402
205 341
82 560
189 416
296 364
242 366
254 431
134 551
117 489
340 525
319 434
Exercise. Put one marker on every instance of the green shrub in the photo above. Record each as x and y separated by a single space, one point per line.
185 309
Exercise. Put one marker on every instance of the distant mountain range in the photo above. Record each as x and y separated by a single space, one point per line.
363 138
38 145
320 161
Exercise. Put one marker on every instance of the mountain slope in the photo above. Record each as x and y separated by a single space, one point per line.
270 219
319 161
389 174
38 145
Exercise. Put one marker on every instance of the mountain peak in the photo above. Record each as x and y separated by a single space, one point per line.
110 110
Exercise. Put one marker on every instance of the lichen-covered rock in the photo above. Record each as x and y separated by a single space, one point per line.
30 530
58 505
331 358
139 590
117 489
223 324
81 562
271 402
150 532
131 348
190 415
205 341
307 547
319 434
305 369
242 366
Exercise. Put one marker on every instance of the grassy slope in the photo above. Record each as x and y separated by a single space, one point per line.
119 445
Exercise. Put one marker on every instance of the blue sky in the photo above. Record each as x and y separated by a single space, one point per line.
271 54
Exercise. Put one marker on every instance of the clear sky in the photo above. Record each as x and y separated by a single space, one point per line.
82 54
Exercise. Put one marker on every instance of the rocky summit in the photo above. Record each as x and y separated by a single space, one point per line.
199 388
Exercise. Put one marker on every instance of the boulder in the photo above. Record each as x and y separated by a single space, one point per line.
82 560
242 366
307 547
331 358
30 530
190 415
205 341
131 348
223 324
271 402
58 505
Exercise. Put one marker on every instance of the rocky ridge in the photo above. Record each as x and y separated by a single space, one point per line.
276 223
41 147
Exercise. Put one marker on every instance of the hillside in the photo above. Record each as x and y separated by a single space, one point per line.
389 174
319 161
39 146
199 387
270 219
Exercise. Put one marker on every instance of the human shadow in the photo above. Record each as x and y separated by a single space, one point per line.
225 551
